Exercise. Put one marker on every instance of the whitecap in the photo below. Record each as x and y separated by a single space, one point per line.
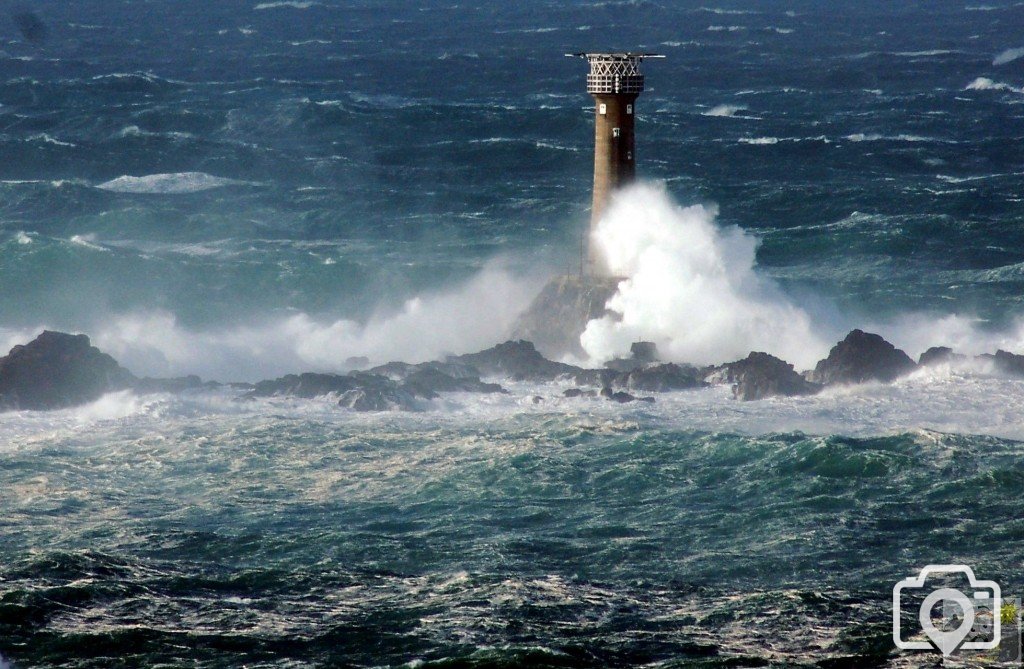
1008 56
724 110
87 241
286 4
986 84
175 183
877 137
45 138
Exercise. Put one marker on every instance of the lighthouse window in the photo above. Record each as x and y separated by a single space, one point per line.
615 132
629 109
603 109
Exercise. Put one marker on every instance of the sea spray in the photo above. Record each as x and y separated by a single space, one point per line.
462 318
691 286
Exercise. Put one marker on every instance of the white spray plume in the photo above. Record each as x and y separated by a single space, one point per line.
691 287
468 317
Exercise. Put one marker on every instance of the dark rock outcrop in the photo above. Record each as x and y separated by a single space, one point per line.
430 381
517 360
579 392
358 390
938 355
642 354
57 370
558 315
1006 362
761 375
862 357
622 397
660 378
368 391
178 384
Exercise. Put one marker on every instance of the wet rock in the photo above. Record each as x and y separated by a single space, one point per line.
620 396
938 355
1006 362
400 371
517 360
558 315
374 398
642 353
579 392
861 357
429 381
761 375
661 378
358 390
57 370
178 384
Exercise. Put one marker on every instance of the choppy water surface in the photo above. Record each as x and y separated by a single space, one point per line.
241 189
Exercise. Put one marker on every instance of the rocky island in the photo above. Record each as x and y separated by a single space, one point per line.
58 370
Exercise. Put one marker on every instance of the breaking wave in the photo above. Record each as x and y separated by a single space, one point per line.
170 184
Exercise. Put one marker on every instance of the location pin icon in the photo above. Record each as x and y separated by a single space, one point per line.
947 642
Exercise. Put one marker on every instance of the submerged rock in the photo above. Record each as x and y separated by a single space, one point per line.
761 375
861 357
57 370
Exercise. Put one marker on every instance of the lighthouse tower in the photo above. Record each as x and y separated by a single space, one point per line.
615 82
559 314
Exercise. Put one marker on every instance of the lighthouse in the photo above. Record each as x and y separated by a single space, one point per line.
615 82
558 315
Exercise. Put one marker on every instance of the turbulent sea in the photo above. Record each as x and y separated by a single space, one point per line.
244 189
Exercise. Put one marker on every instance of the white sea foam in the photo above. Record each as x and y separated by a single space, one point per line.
759 141
1008 56
175 183
136 131
725 12
88 241
986 84
731 29
468 317
288 4
691 287
877 137
724 110
45 138
22 238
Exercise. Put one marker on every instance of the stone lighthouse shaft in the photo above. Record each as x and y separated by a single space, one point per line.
615 82
558 315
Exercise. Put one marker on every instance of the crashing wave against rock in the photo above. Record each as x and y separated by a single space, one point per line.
58 370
